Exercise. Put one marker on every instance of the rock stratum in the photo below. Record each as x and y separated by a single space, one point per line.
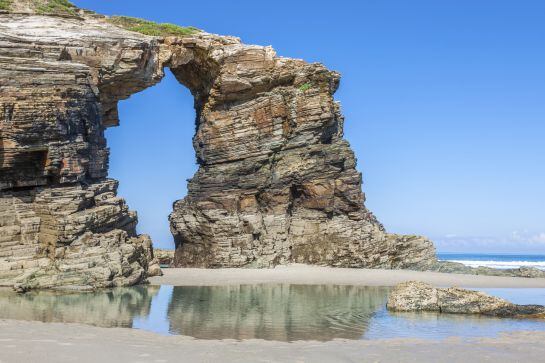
419 296
276 183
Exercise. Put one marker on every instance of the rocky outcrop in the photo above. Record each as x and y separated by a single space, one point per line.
459 268
164 257
418 296
71 236
276 182
61 223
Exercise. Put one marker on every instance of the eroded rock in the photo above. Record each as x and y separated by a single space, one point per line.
276 182
419 296
164 257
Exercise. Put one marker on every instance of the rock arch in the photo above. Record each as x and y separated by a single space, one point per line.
276 182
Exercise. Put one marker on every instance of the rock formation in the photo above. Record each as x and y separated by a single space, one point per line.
418 296
61 223
165 258
276 182
459 268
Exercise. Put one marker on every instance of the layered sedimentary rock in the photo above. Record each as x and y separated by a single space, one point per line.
418 296
61 223
276 182
70 236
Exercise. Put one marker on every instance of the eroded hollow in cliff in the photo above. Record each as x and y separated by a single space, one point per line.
151 153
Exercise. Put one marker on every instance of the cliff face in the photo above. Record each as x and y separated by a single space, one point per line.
61 222
276 183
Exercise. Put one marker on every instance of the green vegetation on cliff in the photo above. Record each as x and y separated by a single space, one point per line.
150 28
55 7
65 7
5 4
305 87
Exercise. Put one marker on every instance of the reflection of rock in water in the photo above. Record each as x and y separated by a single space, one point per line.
274 312
106 308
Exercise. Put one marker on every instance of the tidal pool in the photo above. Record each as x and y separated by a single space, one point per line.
270 311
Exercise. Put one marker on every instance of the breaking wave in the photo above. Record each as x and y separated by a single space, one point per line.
501 264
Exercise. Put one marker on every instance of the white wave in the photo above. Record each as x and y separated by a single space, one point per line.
502 264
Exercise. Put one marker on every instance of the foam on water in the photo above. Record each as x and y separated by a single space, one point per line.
498 261
502 264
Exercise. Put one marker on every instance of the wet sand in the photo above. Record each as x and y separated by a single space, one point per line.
316 275
22 341
29 341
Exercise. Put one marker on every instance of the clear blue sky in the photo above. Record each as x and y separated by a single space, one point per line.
444 104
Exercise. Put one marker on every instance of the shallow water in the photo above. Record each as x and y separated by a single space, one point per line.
273 312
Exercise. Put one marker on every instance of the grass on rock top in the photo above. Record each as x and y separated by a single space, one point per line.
55 7
65 7
150 28
5 4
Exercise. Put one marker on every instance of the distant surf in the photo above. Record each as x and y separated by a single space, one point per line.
501 261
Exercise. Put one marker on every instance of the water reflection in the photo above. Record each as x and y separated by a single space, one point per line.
157 320
274 312
271 312
106 308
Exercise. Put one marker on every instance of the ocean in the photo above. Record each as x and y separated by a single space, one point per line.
502 261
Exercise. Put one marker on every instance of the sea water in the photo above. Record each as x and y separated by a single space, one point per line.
280 312
501 261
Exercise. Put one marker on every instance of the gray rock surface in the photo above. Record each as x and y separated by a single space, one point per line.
418 296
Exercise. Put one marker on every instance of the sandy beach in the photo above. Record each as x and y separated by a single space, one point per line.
22 342
31 341
317 275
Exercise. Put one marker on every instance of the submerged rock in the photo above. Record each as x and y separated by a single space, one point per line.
419 296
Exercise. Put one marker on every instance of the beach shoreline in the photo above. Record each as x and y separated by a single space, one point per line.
26 341
31 341
319 275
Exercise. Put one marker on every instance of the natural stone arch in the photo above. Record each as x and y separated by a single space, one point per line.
276 182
